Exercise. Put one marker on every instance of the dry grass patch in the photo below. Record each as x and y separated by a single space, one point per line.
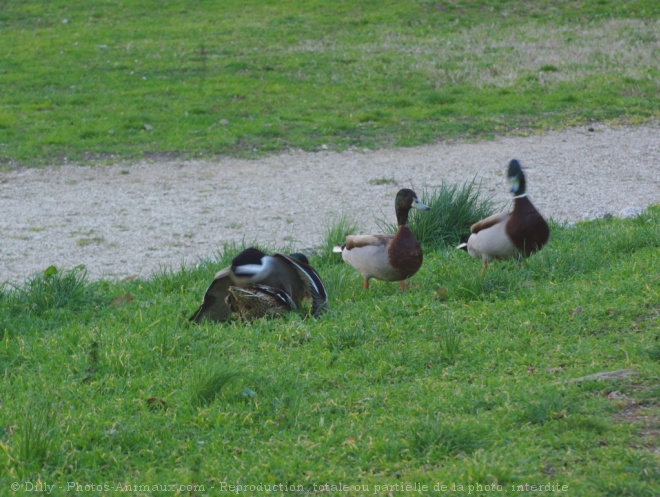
493 55
576 52
646 416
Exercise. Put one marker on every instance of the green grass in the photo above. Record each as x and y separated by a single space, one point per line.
453 209
109 81
464 379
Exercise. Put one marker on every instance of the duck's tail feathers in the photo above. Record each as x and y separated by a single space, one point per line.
462 246
196 317
338 248
315 288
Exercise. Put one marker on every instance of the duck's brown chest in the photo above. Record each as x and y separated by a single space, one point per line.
526 227
405 253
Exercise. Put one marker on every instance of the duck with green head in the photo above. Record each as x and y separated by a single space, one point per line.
278 281
518 233
387 257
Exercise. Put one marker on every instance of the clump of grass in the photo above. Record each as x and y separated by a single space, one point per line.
450 342
337 276
382 181
346 338
453 209
208 381
548 68
84 242
654 351
546 406
55 289
35 437
435 438
450 345
335 233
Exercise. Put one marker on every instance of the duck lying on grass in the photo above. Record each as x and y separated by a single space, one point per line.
256 284
258 301
518 233
387 257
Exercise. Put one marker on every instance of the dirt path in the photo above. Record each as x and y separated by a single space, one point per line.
124 220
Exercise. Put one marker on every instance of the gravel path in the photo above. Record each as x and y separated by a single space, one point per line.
124 220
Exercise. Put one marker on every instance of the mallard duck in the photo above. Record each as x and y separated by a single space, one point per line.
257 301
518 233
291 274
387 257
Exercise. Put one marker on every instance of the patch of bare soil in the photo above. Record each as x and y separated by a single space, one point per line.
646 417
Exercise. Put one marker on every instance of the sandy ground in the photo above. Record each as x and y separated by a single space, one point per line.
132 219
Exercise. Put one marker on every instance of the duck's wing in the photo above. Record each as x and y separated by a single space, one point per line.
257 301
491 243
368 254
303 281
279 297
359 241
489 221
214 306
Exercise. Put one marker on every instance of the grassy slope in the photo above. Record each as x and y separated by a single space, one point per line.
85 80
462 379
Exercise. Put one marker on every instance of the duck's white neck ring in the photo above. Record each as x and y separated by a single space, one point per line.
521 196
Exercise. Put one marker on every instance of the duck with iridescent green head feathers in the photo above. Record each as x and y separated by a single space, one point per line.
518 233
260 285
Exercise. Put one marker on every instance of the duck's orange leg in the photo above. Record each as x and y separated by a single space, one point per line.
366 284
403 285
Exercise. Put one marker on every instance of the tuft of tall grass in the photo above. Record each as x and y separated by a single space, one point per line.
35 437
335 232
450 345
548 405
346 338
55 289
208 381
449 341
434 438
453 209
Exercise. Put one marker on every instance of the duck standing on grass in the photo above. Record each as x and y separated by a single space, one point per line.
387 257
518 233
256 285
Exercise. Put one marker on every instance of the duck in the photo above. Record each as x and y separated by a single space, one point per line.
506 235
383 257
258 301
287 277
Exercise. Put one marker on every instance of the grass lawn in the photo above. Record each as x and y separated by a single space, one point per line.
466 383
110 80
464 379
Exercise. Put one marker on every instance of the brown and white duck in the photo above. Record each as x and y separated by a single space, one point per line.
279 280
518 233
387 257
